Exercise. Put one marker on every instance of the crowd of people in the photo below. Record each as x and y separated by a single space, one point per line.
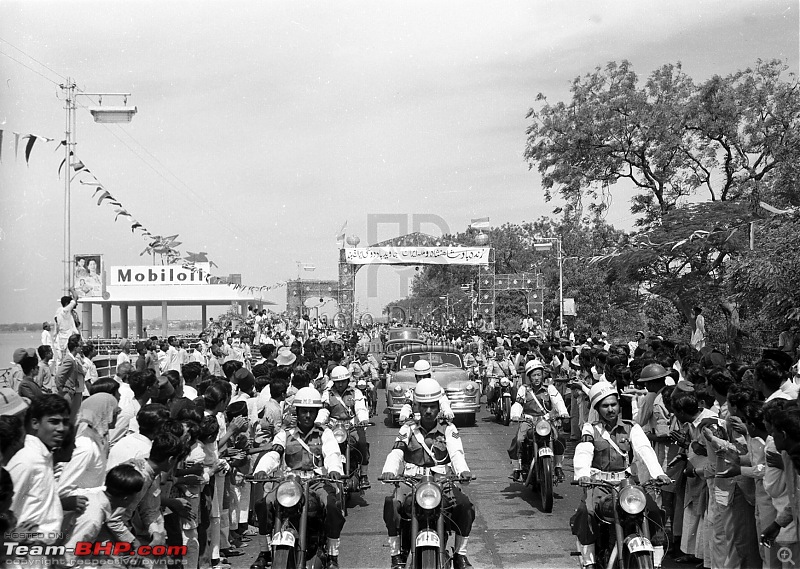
170 450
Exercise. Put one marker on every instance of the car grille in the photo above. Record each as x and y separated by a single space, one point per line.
460 397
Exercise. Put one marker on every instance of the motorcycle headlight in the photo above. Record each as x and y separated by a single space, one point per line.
340 435
470 388
289 493
398 389
632 500
361 384
428 495
543 428
505 382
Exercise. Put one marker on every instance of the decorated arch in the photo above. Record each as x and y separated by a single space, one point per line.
406 251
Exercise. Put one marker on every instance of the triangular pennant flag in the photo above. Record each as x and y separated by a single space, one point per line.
99 189
134 225
29 147
60 144
60 166
16 145
1 145
121 212
103 196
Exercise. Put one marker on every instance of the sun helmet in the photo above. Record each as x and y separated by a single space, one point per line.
422 368
427 390
340 373
308 397
533 365
600 391
652 372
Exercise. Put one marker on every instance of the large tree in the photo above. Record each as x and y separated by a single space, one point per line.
700 156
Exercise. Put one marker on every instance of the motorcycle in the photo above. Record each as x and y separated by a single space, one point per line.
537 456
351 458
369 393
422 529
505 399
298 537
624 537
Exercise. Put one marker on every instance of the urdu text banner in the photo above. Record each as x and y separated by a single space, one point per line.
417 255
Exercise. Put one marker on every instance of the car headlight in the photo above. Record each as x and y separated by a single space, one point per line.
505 382
428 495
632 499
470 388
289 493
340 435
543 428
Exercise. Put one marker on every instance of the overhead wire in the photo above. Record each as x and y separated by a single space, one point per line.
50 69
43 76
225 222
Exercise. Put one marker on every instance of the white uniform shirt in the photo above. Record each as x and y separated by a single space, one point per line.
35 489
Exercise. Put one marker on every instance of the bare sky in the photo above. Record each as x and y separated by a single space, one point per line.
263 126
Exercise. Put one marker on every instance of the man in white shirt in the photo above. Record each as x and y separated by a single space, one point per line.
36 502
143 386
138 444
174 358
47 336
65 324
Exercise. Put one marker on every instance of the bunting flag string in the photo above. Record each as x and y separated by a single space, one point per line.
31 140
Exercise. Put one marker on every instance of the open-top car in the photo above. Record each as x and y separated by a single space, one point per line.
390 353
447 367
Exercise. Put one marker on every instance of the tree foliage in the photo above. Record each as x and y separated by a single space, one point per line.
700 155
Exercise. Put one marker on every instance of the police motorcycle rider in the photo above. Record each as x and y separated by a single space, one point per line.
344 402
608 445
305 450
475 363
537 399
365 366
497 368
422 370
433 442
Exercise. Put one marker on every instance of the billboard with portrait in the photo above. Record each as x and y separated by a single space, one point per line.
87 273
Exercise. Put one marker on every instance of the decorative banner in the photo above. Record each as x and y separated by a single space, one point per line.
480 223
569 307
417 255
86 275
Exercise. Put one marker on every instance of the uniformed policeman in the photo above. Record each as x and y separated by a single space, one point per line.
305 450
433 443
347 403
422 370
535 399
611 445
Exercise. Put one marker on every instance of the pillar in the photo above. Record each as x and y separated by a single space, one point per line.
243 308
203 316
164 319
106 320
137 309
123 320
86 320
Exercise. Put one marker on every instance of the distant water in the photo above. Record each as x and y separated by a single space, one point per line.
10 341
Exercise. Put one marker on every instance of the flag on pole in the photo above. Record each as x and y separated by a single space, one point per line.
340 234
480 223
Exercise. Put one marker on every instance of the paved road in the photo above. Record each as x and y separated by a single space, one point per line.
510 530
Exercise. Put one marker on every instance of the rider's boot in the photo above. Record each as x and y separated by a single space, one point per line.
398 559
587 555
559 468
363 479
516 474
460 560
332 548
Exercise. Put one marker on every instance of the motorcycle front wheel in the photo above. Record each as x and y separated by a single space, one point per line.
428 558
283 557
641 560
546 483
506 411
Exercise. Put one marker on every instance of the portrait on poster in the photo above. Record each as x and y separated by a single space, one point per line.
86 271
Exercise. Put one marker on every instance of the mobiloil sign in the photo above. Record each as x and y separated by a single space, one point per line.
160 275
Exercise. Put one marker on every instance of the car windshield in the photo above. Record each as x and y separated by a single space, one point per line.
436 359
394 346
403 334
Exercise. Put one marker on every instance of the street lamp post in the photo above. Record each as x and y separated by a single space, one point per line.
101 114
546 246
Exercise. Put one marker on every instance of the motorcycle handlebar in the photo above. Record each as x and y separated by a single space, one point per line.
411 480
655 483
